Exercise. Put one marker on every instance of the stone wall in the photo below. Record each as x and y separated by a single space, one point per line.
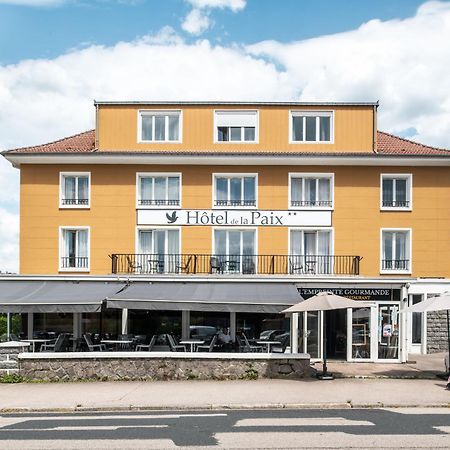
9 354
437 332
113 368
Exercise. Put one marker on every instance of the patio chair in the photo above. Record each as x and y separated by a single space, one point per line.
210 347
251 347
93 347
174 347
58 346
216 264
184 267
147 347
283 344
133 265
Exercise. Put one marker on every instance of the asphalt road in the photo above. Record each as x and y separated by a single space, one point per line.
227 429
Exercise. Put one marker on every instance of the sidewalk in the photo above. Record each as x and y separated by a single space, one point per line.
417 367
223 394
357 385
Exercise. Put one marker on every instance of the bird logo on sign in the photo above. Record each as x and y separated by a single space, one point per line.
172 218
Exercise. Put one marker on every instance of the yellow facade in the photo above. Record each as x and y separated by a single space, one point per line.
356 219
117 127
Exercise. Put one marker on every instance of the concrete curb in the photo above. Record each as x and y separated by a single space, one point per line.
217 407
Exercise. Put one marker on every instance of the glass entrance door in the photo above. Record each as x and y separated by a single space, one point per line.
360 333
388 331
310 333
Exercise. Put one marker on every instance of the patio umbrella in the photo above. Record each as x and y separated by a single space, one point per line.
325 301
439 303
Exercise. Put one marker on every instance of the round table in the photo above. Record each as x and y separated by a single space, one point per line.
193 343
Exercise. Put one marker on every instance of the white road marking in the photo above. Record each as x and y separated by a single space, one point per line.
84 427
6 421
301 421
444 429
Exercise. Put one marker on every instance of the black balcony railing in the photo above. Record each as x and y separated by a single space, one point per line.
75 201
396 203
313 203
234 202
145 202
74 262
395 264
143 263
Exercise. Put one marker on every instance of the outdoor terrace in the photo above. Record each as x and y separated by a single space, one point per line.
139 263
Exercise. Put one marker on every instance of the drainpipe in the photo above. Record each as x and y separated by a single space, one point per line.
96 126
375 109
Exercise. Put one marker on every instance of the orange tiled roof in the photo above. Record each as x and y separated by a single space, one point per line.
387 144
79 143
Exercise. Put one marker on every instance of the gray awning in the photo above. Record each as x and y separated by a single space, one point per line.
21 296
211 296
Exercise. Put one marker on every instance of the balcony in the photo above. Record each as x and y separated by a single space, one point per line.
154 264
395 264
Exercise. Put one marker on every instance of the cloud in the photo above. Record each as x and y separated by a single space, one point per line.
35 3
9 246
198 20
234 5
403 63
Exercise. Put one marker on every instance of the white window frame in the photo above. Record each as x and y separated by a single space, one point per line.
241 229
156 228
61 249
313 229
311 113
409 187
160 112
408 248
234 175
316 175
237 111
140 175
62 176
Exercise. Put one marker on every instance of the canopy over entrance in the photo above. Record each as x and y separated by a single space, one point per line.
207 296
21 296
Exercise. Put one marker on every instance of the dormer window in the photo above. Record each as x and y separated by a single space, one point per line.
236 126
311 126
159 126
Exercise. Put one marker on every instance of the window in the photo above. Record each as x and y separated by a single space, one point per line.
236 126
234 251
310 252
396 192
74 249
311 126
74 190
395 250
311 190
234 190
158 189
160 126
159 251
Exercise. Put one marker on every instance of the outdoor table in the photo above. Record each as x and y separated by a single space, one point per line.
33 342
193 343
268 344
117 342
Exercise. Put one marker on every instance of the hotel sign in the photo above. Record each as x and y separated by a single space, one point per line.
233 217
355 293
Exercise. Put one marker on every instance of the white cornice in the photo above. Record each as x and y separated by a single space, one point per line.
229 159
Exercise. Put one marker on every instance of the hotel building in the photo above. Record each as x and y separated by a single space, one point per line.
190 216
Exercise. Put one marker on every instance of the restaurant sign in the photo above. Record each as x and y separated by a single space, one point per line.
233 217
364 294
